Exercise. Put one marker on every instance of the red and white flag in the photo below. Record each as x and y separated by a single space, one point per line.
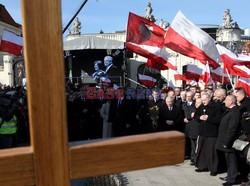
147 80
240 70
245 83
177 75
11 43
228 56
205 76
234 64
219 76
146 39
193 72
188 39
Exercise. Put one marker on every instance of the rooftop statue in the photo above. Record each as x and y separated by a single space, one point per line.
76 30
228 21
148 14
163 24
149 11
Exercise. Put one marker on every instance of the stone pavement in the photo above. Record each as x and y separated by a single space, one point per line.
177 175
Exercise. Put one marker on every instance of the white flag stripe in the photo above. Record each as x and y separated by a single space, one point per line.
195 35
145 77
12 38
194 69
219 71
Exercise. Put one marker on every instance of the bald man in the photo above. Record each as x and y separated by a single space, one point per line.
228 133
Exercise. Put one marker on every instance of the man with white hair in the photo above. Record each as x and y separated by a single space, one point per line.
171 116
110 67
208 115
112 71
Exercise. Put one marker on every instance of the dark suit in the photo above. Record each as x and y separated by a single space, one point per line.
176 115
228 133
114 73
122 116
190 130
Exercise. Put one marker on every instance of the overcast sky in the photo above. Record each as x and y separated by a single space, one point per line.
112 15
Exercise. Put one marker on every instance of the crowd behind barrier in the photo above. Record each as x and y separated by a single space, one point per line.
215 121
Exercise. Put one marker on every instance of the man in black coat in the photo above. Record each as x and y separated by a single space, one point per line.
189 107
171 116
244 105
228 133
208 115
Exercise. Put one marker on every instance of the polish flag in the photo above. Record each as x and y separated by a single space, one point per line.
147 80
234 64
245 83
193 72
219 76
11 43
205 76
186 38
177 75
240 70
146 39
228 56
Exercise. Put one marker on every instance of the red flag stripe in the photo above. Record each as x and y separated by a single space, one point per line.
11 48
156 65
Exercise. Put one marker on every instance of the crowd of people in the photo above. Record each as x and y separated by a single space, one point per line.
212 120
14 125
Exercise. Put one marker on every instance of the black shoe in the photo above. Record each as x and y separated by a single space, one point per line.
201 170
213 173
187 157
227 183
223 178
192 163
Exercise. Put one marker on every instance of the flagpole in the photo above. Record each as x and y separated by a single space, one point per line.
230 79
135 82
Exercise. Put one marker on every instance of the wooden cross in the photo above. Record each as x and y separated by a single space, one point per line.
50 160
